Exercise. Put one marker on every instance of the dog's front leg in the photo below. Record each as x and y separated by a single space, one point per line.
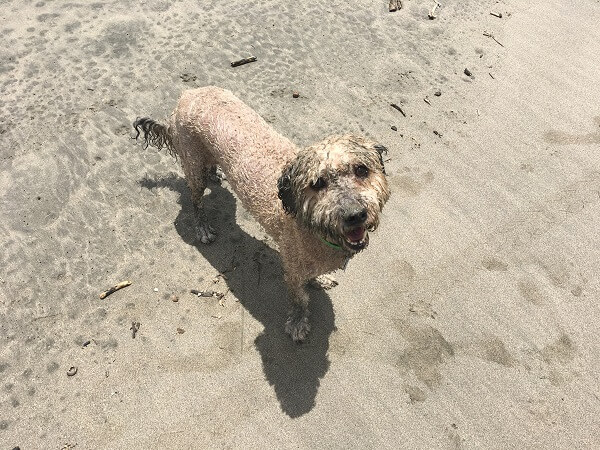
297 325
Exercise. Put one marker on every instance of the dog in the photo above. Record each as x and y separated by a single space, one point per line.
318 203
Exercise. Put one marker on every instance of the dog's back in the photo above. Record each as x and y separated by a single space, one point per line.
211 125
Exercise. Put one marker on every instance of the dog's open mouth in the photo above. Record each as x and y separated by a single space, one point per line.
356 238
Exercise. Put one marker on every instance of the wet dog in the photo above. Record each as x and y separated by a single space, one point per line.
318 203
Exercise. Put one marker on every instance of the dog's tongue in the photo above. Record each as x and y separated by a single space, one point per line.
356 235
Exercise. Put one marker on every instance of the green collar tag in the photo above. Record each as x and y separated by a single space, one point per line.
332 245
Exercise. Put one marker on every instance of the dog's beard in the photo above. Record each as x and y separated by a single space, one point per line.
327 223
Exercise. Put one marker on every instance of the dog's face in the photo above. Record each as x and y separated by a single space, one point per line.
337 188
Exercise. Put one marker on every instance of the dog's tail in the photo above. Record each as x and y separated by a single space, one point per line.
155 134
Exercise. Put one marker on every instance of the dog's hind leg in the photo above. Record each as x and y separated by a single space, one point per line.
197 183
196 169
196 179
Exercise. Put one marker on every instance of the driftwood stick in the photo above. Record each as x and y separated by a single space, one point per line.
243 61
115 288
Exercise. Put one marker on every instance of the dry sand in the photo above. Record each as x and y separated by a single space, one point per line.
472 319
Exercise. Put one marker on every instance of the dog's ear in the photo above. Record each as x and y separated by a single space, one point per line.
285 190
381 150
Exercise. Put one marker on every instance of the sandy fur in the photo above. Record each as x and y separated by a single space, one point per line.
210 126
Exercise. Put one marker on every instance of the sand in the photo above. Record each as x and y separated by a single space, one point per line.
471 320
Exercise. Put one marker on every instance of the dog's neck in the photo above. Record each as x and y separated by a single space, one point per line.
332 245
340 249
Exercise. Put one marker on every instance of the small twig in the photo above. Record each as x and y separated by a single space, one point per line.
431 14
495 14
115 288
393 105
219 295
490 74
135 326
243 61
45 317
492 36
426 100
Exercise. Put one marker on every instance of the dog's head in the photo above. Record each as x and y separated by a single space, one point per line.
337 188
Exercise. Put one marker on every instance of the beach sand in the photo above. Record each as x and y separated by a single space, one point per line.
471 321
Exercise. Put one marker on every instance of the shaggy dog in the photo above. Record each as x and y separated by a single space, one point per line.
318 204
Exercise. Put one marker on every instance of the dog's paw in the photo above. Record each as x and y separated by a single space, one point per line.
206 233
297 328
324 282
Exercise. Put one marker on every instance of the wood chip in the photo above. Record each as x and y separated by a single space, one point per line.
395 5
431 14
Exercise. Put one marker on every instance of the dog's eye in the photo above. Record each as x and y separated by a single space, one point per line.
361 171
319 184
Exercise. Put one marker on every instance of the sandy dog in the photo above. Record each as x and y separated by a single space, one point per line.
318 203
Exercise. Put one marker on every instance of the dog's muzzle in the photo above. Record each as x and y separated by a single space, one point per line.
355 231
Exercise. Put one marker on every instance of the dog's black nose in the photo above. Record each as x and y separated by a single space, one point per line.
355 216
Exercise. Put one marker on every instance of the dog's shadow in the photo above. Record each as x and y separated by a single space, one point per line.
255 276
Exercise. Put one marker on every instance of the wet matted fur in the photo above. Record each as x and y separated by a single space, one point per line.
318 203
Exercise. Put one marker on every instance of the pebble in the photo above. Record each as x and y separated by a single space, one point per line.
72 371
174 298
296 94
